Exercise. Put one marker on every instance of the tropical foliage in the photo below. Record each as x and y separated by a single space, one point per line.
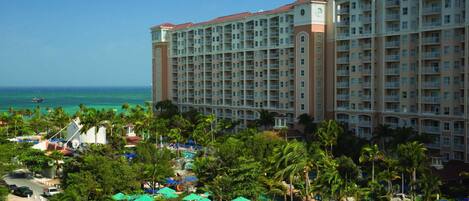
331 163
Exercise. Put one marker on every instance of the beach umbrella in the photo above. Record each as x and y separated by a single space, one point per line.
241 198
192 196
166 190
119 196
170 195
144 198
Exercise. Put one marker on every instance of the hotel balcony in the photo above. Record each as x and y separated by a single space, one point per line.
431 129
343 85
431 40
343 97
343 11
366 59
392 3
391 84
431 85
343 24
392 58
431 10
364 123
391 71
431 55
366 84
430 70
365 46
391 98
392 44
392 17
365 20
342 60
458 131
343 35
343 73
432 24
365 97
431 99
343 48
366 7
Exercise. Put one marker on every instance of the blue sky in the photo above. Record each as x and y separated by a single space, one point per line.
94 43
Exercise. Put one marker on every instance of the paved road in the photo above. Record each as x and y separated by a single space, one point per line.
29 182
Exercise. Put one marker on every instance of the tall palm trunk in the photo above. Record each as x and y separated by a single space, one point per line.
402 182
307 185
372 170
291 188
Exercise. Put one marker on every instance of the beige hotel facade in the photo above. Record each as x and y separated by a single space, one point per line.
402 63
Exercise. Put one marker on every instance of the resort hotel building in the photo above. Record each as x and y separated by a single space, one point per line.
401 63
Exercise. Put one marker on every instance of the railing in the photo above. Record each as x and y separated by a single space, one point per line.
391 84
431 10
390 3
431 99
431 129
431 84
392 17
392 44
343 84
392 71
431 40
392 58
391 98
343 72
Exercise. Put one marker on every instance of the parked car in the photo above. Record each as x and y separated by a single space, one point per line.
12 187
23 191
48 192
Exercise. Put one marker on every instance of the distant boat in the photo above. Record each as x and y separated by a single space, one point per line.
37 100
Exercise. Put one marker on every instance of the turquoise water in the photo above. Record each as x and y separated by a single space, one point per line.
70 97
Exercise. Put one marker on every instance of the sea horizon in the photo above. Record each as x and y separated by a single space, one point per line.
70 97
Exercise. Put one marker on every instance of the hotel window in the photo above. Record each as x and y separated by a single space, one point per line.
302 61
447 19
302 38
302 50
302 106
447 3
302 73
302 95
302 83
404 11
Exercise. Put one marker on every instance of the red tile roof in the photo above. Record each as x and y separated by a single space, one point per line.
232 17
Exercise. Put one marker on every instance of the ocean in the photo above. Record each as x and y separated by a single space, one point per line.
69 98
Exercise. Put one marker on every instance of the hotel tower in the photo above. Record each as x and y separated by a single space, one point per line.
402 63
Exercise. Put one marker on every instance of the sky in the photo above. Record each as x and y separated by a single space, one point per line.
94 42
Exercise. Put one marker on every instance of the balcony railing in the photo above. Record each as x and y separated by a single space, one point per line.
431 55
391 84
431 40
392 17
431 10
391 3
343 84
392 71
431 99
392 57
431 129
343 73
391 98
431 84
391 44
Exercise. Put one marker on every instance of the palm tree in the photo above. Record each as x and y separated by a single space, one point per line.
430 185
175 135
381 135
266 118
412 156
166 108
371 153
307 122
88 120
328 132
294 161
389 174
56 156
